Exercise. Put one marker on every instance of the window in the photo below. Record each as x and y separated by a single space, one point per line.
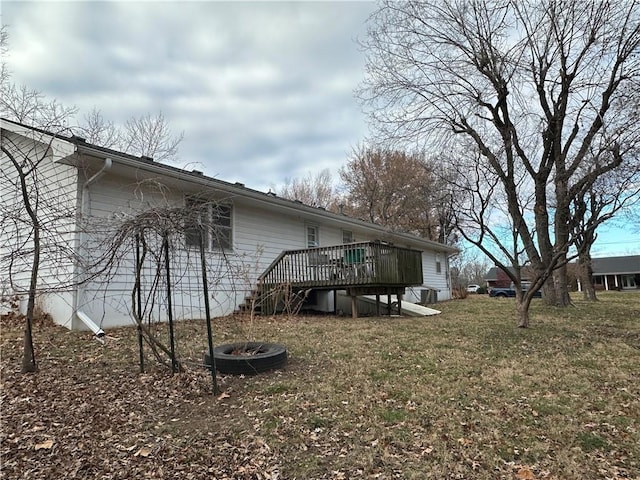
347 236
312 236
195 222
221 226
438 264
213 220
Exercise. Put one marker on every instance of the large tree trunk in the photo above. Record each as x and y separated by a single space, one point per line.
549 296
585 273
544 242
562 287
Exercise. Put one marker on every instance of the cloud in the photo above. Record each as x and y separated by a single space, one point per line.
263 91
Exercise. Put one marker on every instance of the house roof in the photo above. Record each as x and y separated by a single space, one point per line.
616 265
197 178
492 274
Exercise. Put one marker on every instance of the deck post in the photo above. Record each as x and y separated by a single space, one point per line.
354 306
377 304
400 304
389 304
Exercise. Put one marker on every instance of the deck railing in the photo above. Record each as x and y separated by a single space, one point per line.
342 266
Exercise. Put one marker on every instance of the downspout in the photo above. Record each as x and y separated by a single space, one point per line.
449 279
85 210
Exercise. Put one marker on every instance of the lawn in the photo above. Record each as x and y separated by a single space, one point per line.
462 395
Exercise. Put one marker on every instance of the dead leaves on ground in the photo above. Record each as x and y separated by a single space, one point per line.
85 419
88 413
46 445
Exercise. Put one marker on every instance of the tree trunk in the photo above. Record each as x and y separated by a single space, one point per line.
544 242
561 227
585 273
549 291
29 356
562 287
522 311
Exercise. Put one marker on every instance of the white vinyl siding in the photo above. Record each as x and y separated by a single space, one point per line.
431 278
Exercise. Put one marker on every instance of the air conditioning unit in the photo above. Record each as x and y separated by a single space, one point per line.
428 295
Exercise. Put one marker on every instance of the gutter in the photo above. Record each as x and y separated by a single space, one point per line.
85 210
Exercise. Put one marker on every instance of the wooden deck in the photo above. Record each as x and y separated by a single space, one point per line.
360 268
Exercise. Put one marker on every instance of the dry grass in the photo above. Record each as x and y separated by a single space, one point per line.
461 395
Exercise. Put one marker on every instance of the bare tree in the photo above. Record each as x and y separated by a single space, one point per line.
99 131
617 192
314 190
31 107
35 219
151 136
396 189
148 135
24 104
38 200
520 94
471 267
4 51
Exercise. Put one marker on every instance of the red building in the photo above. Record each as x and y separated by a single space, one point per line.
497 278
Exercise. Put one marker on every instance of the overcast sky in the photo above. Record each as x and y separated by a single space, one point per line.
262 90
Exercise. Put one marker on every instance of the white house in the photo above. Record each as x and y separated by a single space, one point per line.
84 192
615 273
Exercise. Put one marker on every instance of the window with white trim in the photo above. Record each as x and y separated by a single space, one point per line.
438 264
347 236
213 219
313 240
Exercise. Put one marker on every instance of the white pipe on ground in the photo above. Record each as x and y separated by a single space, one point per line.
97 331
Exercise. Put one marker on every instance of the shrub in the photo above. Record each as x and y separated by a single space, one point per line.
459 292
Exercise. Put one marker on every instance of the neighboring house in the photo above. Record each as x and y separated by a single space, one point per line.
496 277
84 188
615 273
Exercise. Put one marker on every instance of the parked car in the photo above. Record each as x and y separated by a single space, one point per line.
472 288
511 291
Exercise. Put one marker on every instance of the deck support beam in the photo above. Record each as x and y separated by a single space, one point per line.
354 306
354 292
